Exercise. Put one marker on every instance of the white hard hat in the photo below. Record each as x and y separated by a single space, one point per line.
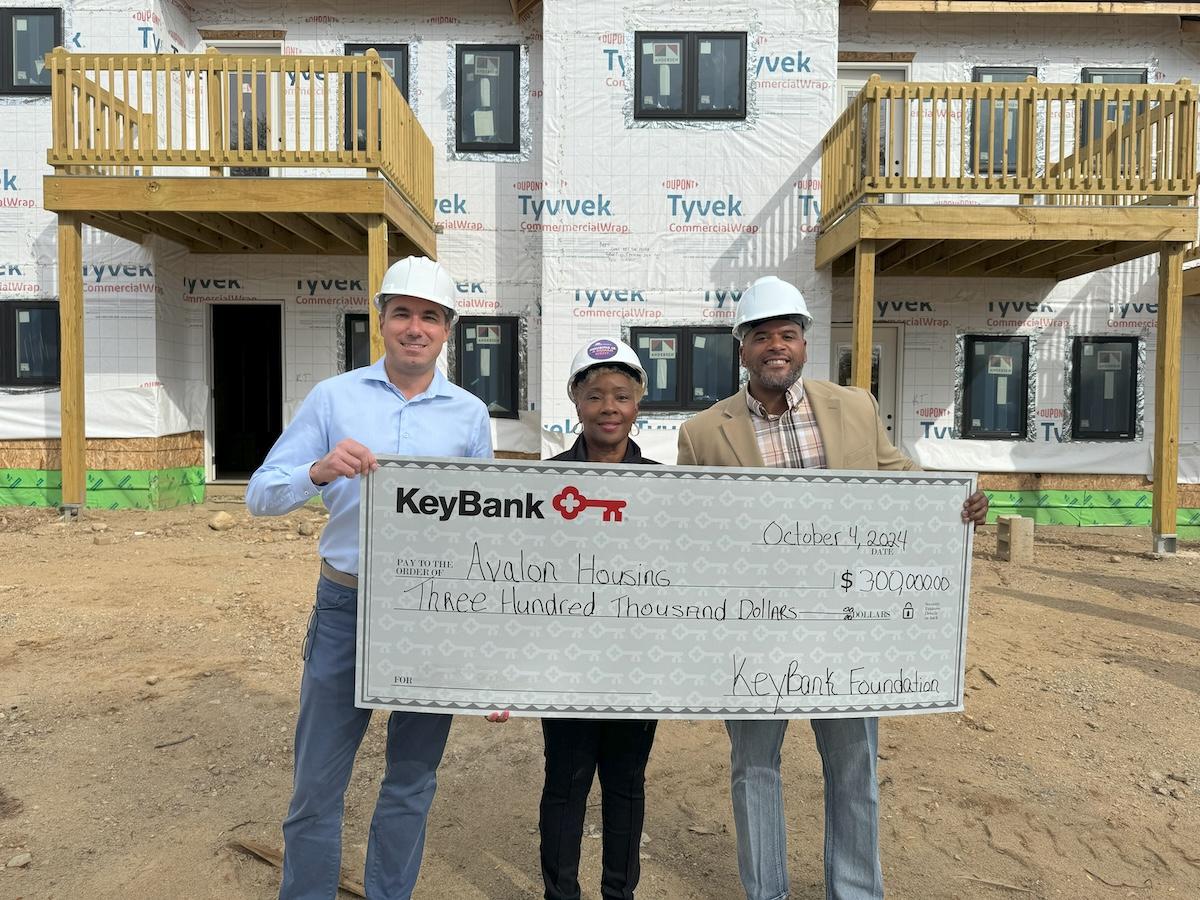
604 352
770 298
418 276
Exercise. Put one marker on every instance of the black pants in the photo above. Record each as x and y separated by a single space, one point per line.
575 748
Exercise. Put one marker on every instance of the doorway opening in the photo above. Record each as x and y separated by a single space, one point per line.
886 367
247 386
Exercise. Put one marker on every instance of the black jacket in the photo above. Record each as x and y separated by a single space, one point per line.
578 453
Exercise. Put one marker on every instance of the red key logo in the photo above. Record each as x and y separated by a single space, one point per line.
570 503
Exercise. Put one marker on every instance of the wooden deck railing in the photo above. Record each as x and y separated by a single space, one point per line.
114 113
1063 144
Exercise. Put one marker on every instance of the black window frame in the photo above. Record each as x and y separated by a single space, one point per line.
360 49
1097 434
9 309
1085 125
514 370
976 130
981 434
690 50
348 356
683 386
461 146
6 35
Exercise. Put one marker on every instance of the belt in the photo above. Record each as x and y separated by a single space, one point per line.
337 576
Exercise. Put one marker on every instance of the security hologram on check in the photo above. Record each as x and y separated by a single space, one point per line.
549 589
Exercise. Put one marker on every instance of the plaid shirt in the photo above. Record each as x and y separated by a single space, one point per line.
791 440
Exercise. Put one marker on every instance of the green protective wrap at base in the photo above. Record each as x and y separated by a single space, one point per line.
1086 508
106 489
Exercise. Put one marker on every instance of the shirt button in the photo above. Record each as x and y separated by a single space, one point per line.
405 435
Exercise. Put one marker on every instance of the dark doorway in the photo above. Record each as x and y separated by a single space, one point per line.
247 386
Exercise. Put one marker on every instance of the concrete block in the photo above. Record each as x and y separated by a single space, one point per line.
1014 538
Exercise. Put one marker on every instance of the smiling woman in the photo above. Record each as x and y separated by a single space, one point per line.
606 383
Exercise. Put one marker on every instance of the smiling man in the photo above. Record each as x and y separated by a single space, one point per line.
401 405
781 420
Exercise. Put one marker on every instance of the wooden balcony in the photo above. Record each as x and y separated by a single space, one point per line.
238 154
228 154
1016 180
1025 180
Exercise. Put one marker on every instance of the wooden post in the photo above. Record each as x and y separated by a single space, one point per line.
1166 396
863 311
70 319
377 263
216 87
1027 145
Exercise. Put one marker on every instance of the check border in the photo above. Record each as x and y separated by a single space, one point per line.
844 476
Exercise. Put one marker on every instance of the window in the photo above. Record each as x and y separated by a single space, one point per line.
395 60
28 343
690 75
487 100
358 341
1104 388
26 36
1095 114
996 124
995 388
485 361
686 368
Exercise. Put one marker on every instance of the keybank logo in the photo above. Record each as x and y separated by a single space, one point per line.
773 64
98 274
720 207
589 207
591 296
468 504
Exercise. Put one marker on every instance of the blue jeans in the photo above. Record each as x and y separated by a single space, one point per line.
848 748
328 732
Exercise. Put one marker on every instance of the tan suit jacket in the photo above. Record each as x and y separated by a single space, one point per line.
848 419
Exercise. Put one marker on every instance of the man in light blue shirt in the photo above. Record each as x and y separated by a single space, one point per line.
403 405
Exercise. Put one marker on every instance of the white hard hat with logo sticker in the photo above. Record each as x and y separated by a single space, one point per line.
770 298
418 276
604 352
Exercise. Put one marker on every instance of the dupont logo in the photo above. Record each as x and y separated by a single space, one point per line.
569 503
602 349
467 504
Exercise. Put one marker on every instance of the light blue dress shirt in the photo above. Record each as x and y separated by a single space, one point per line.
363 405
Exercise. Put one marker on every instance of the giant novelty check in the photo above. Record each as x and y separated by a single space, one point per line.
559 589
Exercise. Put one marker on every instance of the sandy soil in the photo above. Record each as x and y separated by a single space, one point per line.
148 678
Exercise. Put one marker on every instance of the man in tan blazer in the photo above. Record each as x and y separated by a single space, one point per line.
779 420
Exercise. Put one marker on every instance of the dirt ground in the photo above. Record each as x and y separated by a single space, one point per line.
149 668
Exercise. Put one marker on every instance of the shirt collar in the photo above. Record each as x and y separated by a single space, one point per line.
795 396
439 387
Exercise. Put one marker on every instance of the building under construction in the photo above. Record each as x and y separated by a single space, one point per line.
989 206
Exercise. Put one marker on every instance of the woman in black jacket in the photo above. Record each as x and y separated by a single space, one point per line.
606 384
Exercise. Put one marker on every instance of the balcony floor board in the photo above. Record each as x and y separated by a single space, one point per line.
273 215
1003 241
